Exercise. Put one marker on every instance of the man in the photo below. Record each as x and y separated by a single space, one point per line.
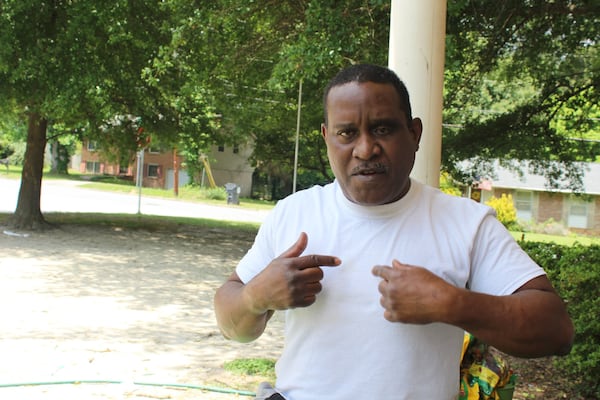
381 275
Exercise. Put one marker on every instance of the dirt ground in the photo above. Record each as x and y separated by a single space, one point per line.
108 304
89 304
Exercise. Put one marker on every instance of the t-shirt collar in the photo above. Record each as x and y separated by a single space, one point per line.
378 211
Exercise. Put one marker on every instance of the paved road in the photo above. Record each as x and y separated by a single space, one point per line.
69 196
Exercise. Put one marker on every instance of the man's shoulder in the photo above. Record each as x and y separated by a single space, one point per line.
448 202
314 193
305 205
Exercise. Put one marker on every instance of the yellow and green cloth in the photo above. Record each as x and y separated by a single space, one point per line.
483 374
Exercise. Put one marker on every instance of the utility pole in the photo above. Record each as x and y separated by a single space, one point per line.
175 173
140 177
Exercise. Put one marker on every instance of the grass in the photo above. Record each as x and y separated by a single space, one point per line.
186 193
119 185
569 240
134 221
215 196
252 366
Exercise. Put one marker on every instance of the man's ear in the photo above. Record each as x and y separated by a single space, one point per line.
324 130
417 129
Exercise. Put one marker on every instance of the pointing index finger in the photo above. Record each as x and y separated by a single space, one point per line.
317 260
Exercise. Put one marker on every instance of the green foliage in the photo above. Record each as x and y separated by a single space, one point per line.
251 366
6 149
12 134
505 209
16 153
263 51
575 273
521 77
217 193
511 91
144 222
447 185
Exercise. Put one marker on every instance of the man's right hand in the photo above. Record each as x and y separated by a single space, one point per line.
290 280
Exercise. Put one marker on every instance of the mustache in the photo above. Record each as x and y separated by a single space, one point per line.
371 168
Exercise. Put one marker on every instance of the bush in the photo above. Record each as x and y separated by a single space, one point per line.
448 186
575 273
505 209
6 150
217 193
18 157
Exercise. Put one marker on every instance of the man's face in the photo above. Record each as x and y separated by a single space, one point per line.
370 145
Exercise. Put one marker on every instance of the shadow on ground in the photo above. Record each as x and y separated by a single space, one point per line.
111 303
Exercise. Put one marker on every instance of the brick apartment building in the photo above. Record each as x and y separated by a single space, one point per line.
227 163
535 203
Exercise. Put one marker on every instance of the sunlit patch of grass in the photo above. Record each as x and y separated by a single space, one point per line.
252 366
135 221
569 240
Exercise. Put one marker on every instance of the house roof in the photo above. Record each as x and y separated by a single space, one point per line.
506 178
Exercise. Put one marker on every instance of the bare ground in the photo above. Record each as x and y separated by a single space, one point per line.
109 304
97 303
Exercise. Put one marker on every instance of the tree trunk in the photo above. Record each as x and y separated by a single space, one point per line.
28 214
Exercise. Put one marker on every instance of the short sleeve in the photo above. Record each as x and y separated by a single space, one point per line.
261 253
498 264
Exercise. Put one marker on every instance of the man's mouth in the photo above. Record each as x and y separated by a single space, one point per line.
369 169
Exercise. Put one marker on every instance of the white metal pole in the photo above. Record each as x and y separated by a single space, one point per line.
297 135
416 54
140 178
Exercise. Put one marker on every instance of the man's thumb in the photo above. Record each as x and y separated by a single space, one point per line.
297 248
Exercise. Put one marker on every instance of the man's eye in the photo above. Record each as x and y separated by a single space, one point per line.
348 133
382 131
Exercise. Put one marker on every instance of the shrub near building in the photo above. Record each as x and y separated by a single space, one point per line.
505 210
575 272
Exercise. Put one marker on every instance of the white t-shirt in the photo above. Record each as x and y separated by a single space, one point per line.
341 347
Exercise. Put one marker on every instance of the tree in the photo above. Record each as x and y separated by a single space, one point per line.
324 41
197 73
254 55
77 63
511 72
538 59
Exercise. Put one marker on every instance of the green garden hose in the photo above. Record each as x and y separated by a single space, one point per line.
99 381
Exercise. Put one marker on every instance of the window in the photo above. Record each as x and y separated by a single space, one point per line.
221 148
92 145
92 167
153 171
154 150
524 205
236 149
578 213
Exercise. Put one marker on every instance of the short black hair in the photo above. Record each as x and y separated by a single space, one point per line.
370 73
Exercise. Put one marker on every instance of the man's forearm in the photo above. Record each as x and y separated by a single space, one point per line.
236 320
529 323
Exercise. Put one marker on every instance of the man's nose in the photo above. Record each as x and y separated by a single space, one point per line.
366 146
